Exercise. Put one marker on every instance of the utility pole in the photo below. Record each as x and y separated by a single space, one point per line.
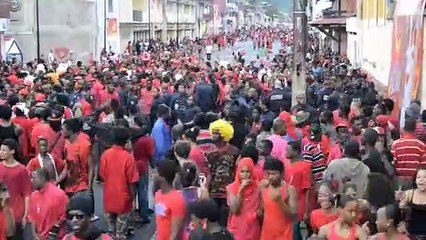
300 28
105 26
38 29
149 20
177 23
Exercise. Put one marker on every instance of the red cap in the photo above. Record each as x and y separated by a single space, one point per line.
379 130
39 97
24 92
285 116
382 120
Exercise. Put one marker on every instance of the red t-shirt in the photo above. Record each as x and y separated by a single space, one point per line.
72 237
42 130
18 182
34 164
143 150
77 161
298 175
200 159
319 218
47 207
118 170
105 96
167 207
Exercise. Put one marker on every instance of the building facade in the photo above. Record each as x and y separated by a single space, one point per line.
68 29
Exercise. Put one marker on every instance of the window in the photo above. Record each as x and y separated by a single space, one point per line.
137 16
110 6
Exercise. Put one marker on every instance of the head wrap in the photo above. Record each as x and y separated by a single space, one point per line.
224 128
235 186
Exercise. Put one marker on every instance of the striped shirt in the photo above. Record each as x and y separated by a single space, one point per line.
409 154
204 141
312 153
420 131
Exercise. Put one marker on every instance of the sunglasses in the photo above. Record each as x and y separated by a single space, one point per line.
78 216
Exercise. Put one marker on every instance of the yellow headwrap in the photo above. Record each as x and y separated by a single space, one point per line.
225 129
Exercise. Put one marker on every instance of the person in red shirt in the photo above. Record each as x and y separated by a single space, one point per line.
7 223
108 94
170 209
327 213
27 125
17 179
78 162
79 211
47 207
279 203
118 170
298 174
43 130
143 152
52 164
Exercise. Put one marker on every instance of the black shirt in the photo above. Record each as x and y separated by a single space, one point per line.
373 160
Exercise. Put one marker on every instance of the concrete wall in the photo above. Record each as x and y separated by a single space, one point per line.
421 95
72 24
376 50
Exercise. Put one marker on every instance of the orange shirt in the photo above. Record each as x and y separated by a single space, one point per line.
167 207
42 130
276 226
47 207
319 218
118 170
77 162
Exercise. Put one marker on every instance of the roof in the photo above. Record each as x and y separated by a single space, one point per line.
329 21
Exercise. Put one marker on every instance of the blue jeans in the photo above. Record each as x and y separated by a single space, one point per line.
296 231
142 192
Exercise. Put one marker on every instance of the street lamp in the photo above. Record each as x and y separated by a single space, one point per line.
38 30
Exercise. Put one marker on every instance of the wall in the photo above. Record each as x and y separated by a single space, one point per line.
71 24
376 40
421 95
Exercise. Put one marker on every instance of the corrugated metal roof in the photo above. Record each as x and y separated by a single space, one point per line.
329 21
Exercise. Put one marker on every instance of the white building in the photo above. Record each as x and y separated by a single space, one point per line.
70 26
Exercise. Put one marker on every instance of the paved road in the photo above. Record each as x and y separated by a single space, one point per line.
247 47
146 232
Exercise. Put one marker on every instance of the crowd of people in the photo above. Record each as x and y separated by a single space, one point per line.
227 154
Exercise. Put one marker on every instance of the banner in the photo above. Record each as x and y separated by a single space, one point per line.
112 28
407 54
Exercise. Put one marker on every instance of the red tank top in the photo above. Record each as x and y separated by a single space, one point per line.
334 236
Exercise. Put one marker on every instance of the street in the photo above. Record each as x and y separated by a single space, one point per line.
146 232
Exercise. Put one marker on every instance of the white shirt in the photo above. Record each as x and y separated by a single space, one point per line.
209 49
